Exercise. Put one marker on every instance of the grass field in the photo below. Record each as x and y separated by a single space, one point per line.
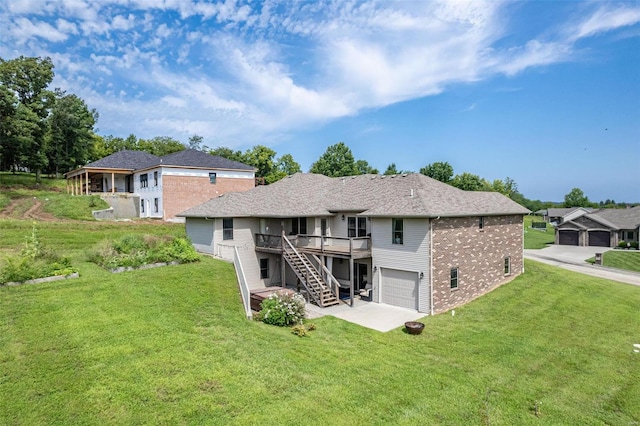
171 346
534 238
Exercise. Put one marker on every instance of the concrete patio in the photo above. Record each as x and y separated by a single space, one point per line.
376 316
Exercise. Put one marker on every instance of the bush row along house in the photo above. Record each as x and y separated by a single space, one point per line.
407 240
140 184
601 228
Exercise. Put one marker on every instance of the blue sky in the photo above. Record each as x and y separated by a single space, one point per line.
547 93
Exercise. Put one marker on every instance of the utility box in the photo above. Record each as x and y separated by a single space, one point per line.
598 258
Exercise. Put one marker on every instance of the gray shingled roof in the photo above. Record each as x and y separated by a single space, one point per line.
195 158
125 159
411 195
618 218
562 211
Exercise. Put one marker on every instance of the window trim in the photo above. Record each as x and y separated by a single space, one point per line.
144 180
227 228
395 232
264 268
454 281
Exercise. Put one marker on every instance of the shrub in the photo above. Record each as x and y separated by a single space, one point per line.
34 262
634 244
622 244
138 250
299 330
283 309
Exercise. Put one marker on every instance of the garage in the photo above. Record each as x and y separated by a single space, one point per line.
400 288
568 238
599 238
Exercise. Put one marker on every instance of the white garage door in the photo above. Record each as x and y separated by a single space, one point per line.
200 231
400 288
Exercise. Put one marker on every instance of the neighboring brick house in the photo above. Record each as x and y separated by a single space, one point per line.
160 187
600 228
404 240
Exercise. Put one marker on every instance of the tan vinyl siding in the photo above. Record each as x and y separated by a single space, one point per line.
412 255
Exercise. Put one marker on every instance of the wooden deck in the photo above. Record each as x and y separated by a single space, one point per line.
340 247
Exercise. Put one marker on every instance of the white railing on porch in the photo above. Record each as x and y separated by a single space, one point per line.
242 282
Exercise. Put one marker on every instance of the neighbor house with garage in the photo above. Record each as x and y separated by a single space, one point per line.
404 240
600 228
140 184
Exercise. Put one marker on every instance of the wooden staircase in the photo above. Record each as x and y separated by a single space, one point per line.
308 275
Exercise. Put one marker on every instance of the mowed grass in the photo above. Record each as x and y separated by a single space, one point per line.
629 260
171 346
536 238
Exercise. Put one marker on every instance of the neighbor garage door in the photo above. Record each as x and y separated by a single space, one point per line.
599 238
568 238
400 288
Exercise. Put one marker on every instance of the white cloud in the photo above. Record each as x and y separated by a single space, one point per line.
121 23
607 19
23 29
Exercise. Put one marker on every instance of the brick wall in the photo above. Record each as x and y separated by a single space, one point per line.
180 193
478 253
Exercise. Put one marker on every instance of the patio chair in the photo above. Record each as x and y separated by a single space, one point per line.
365 294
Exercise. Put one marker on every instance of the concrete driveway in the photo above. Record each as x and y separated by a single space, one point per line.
573 258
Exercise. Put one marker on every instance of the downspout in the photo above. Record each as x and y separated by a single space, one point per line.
431 262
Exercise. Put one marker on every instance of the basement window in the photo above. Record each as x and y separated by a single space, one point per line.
507 265
453 283
481 222
264 268
227 228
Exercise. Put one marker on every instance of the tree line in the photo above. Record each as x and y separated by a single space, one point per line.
52 132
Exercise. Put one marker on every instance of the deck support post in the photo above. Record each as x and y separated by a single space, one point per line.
282 261
351 279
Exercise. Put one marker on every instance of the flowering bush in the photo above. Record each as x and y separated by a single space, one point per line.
282 309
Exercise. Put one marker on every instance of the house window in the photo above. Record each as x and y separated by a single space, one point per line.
323 227
155 205
507 265
299 225
155 178
629 235
264 268
351 227
144 181
481 222
362 227
142 206
453 283
212 177
397 226
227 228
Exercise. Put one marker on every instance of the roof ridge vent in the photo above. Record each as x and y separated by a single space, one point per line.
392 176
383 176
411 196
405 174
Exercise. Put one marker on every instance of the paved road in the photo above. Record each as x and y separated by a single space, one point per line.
573 259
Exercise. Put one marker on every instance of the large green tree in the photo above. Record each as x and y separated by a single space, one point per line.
470 182
364 168
335 162
27 79
442 171
71 133
576 198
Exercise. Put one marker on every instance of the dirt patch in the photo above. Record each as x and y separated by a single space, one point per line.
26 208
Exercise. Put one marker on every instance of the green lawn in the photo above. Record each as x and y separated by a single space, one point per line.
171 346
534 238
629 260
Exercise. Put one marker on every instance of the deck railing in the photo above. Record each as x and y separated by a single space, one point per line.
317 242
